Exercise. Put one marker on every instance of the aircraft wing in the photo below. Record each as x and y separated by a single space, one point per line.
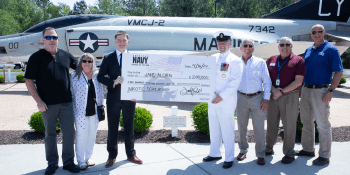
263 51
267 50
340 35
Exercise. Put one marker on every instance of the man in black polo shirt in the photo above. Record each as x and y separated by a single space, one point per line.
49 67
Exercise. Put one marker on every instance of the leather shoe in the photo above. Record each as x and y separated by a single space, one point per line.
208 158
109 163
72 168
51 169
269 151
227 164
261 161
287 159
135 159
305 153
320 161
241 156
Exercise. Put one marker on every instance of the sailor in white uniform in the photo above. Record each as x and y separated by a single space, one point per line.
229 69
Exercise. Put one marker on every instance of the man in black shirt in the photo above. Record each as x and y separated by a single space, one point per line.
49 68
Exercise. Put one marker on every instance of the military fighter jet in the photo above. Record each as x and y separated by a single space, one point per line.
186 35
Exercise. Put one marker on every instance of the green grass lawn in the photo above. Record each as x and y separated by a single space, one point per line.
15 70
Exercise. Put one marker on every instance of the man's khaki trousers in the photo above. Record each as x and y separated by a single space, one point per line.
312 107
285 107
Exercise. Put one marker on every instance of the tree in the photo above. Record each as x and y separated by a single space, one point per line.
63 9
79 7
346 59
109 7
30 14
249 8
42 3
181 8
21 15
8 24
187 8
45 5
140 7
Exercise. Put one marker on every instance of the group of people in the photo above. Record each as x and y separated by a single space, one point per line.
256 87
73 99
252 87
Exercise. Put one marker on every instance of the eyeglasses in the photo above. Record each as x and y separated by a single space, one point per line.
248 45
314 32
86 61
287 45
49 37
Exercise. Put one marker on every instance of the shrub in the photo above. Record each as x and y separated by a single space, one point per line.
20 77
300 125
200 118
342 80
143 119
36 122
1 79
346 62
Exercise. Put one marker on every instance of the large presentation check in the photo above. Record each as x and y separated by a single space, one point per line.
181 78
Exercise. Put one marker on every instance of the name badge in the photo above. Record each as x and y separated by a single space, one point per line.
272 64
321 53
257 73
277 82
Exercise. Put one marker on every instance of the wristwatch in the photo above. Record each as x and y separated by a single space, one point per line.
281 90
330 90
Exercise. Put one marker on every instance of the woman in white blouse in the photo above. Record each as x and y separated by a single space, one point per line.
86 90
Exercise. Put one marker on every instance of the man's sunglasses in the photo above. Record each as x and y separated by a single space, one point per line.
287 45
49 37
85 61
314 32
248 45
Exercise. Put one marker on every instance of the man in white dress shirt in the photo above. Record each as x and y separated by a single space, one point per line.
253 99
221 109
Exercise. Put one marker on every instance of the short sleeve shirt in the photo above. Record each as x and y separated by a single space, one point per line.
51 75
295 65
320 63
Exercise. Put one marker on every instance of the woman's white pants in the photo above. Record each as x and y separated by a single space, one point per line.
85 138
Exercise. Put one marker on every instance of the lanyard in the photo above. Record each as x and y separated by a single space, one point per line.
280 67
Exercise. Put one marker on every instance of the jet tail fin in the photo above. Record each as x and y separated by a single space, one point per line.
327 10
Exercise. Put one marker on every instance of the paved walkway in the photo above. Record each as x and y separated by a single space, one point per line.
174 159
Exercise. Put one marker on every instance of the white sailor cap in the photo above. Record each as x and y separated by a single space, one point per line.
222 36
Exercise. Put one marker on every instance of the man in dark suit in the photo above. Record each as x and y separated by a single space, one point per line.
112 66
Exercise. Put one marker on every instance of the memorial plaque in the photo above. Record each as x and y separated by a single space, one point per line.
174 121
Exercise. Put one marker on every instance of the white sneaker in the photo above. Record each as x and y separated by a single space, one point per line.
82 165
90 162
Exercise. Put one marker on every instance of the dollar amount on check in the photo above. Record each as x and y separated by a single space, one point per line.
181 78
